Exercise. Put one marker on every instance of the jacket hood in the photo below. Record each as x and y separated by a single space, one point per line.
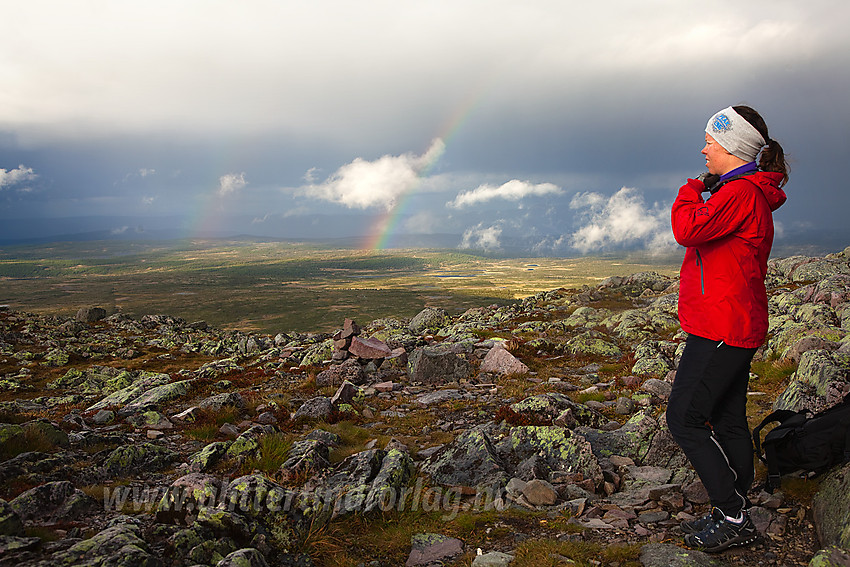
768 182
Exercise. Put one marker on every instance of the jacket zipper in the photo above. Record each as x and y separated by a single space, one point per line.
701 275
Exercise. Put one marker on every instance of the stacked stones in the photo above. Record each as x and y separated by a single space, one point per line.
347 343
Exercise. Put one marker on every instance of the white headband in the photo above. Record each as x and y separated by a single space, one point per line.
735 134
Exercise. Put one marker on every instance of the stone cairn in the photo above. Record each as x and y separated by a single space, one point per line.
347 344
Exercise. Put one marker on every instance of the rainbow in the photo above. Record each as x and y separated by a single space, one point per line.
209 212
385 225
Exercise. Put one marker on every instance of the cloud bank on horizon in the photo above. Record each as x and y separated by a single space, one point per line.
565 128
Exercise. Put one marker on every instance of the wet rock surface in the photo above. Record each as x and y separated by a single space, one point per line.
160 442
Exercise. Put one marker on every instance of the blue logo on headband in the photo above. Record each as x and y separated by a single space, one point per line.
721 123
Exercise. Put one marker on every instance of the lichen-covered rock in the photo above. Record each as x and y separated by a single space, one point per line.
817 269
133 459
254 496
117 546
143 382
220 401
654 358
190 492
831 508
150 420
493 559
211 551
396 470
319 353
346 394
822 380
207 457
90 314
365 481
632 440
56 357
96 380
34 467
592 345
429 320
218 368
469 460
663 450
12 544
155 396
586 317
247 557
809 342
318 408
248 442
305 458
53 501
537 451
433 365
637 325
832 556
552 405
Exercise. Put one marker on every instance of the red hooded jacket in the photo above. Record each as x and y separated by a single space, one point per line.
728 238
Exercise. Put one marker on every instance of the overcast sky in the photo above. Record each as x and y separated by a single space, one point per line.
571 124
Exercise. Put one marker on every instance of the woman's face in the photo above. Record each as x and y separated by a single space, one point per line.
717 159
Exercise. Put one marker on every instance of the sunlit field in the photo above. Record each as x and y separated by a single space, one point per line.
276 287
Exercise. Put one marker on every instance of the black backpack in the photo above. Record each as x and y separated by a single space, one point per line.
803 441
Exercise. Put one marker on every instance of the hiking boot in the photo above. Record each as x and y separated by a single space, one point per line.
723 534
699 524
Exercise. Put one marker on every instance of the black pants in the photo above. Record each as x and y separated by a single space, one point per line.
707 416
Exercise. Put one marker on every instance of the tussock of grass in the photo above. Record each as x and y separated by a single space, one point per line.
772 375
584 397
203 432
272 454
208 422
800 489
29 440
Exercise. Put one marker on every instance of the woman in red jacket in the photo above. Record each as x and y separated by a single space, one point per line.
723 308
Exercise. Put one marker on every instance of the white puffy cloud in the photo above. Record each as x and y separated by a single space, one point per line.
484 237
621 220
513 190
16 177
231 183
363 184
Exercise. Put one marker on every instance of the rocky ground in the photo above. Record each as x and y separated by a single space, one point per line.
529 434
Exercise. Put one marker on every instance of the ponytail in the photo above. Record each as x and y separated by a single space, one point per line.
772 156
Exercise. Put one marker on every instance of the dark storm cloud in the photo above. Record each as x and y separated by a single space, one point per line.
277 111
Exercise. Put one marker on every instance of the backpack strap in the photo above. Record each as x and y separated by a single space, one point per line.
776 416
774 478
847 446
